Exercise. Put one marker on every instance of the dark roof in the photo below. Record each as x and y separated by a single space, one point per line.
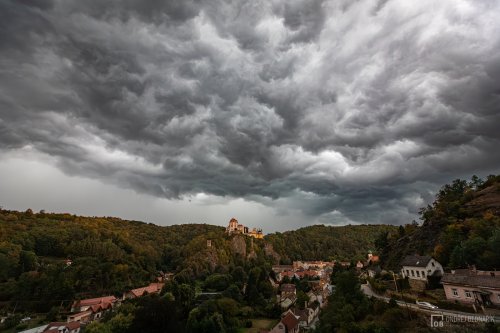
290 321
302 314
416 261
470 278
287 288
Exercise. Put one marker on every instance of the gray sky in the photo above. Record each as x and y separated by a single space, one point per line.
280 113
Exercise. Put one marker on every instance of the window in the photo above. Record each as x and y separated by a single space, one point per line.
407 273
468 294
455 292
412 273
432 263
498 296
423 273
418 273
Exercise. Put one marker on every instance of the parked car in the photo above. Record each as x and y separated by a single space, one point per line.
25 319
427 305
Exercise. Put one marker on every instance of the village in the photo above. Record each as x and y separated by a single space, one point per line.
302 289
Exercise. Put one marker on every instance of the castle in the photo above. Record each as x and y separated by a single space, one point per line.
235 228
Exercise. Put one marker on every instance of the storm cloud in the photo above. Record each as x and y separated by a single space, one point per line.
349 111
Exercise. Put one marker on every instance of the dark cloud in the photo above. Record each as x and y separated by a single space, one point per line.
347 111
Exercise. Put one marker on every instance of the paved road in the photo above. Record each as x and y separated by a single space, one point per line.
368 291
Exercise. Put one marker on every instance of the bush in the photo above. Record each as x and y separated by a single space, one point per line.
248 323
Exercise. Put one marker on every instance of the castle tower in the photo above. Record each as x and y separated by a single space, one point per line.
233 226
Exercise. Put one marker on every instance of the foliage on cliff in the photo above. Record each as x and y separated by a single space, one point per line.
461 228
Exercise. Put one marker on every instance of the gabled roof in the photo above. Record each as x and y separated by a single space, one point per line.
290 321
470 278
151 289
93 301
416 261
302 314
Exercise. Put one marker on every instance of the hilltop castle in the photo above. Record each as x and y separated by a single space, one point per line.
235 228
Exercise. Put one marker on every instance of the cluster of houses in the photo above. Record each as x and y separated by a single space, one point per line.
84 311
296 318
299 317
467 286
301 269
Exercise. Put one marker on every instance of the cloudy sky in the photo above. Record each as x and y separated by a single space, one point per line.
282 113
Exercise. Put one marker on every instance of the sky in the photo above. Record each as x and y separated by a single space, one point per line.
281 113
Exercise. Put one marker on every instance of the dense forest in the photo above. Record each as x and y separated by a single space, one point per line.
321 242
110 255
460 229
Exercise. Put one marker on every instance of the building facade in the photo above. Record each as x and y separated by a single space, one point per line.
470 286
236 228
418 269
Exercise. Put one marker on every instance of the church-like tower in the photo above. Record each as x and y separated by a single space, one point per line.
233 226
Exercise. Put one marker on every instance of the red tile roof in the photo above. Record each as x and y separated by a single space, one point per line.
151 289
309 273
290 321
98 300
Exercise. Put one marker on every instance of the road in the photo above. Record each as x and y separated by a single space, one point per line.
368 291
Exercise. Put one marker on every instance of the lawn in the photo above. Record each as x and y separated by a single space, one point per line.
260 324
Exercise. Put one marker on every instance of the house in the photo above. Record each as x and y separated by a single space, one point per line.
60 327
81 317
288 295
93 312
469 286
153 288
287 301
84 304
345 264
288 324
308 273
418 268
315 308
305 316
372 259
312 264
280 276
287 289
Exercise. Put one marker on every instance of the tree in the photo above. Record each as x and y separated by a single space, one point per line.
381 241
302 299
155 314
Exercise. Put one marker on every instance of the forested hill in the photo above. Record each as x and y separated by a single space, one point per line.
110 255
351 242
461 228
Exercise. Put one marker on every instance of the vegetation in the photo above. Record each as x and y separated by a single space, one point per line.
47 260
349 310
321 242
460 229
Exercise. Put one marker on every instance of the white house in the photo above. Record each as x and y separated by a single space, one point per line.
418 268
